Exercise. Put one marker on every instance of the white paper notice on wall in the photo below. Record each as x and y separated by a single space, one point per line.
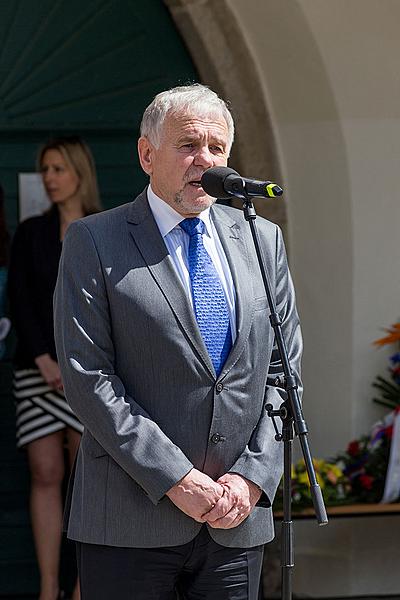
392 483
33 200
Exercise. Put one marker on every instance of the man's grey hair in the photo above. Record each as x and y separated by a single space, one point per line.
195 99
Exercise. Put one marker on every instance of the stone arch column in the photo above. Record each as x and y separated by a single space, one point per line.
223 59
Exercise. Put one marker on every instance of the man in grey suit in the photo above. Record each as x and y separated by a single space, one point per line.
168 358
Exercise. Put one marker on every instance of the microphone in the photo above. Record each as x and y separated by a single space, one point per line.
224 182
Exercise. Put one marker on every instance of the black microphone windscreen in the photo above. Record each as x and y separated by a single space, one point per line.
212 181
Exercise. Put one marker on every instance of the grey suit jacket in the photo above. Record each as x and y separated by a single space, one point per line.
137 374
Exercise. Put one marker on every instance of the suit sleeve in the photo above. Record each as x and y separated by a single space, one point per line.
85 351
262 459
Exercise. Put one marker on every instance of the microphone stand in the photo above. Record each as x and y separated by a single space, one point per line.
292 419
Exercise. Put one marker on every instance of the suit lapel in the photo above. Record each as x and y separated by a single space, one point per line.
150 244
233 239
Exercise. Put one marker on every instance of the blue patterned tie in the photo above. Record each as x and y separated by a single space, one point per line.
208 295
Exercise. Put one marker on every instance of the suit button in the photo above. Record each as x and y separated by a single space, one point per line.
219 387
215 438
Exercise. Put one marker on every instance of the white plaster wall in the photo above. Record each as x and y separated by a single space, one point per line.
332 81
312 154
359 44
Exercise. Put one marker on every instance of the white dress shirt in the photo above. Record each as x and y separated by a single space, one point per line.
177 242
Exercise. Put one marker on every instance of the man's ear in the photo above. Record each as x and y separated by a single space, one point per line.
145 151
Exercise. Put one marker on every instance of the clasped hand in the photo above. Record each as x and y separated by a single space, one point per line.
223 504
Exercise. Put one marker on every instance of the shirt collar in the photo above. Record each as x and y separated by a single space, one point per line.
167 218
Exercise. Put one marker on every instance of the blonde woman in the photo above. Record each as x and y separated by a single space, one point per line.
45 423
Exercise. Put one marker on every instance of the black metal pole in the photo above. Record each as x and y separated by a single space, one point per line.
287 540
292 417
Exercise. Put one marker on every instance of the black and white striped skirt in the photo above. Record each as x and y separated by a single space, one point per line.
40 409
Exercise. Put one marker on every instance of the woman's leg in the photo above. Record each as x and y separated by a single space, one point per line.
74 439
46 462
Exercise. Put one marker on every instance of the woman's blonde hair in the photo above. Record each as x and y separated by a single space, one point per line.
78 157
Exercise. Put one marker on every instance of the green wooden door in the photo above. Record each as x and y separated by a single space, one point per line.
88 68
82 67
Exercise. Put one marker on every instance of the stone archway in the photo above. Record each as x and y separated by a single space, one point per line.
225 63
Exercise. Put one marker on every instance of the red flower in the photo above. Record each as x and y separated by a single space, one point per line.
366 481
353 448
389 432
